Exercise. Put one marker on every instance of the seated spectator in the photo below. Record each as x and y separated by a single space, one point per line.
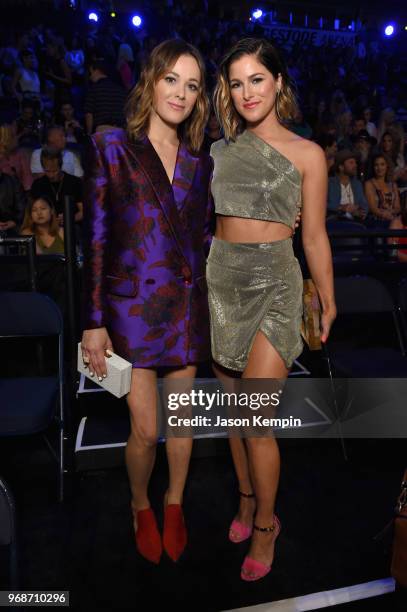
400 223
12 204
370 126
363 146
125 63
75 58
56 184
382 193
40 220
57 72
14 161
56 140
28 126
105 100
389 148
344 127
212 131
26 82
74 132
329 145
300 125
345 192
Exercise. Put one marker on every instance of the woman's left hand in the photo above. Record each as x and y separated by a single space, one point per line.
327 318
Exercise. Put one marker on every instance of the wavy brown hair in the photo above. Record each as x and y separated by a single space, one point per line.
138 109
28 222
286 104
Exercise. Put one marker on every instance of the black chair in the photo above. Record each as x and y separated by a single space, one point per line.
30 404
351 252
360 346
402 307
8 532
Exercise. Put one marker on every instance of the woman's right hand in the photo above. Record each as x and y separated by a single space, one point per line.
95 343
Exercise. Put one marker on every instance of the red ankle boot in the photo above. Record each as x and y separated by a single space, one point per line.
174 534
148 537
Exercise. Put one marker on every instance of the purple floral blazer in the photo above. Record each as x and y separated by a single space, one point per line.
145 242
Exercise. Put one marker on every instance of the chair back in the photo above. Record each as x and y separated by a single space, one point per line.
28 314
362 294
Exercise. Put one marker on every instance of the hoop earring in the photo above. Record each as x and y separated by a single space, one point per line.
278 115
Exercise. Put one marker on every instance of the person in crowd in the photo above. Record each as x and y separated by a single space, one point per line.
105 100
12 204
56 139
328 144
300 126
57 71
26 81
29 126
147 220
14 161
74 131
344 129
358 124
381 192
125 64
400 223
56 184
389 147
388 123
75 59
212 131
40 220
346 198
262 175
363 147
370 126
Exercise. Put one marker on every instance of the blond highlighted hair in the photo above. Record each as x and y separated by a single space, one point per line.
8 139
286 106
138 109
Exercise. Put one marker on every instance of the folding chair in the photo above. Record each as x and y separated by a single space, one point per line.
30 404
354 356
402 308
8 532
351 253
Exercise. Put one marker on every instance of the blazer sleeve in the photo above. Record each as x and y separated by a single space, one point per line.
210 218
96 231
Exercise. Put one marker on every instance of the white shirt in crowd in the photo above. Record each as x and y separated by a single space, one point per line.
347 194
70 163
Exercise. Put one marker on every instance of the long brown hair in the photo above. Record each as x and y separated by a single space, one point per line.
138 109
286 105
28 222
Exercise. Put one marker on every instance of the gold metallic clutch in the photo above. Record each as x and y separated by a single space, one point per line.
311 317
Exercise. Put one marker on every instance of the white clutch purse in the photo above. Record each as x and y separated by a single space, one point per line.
118 377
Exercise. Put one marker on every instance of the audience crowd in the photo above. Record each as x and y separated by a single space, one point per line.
56 90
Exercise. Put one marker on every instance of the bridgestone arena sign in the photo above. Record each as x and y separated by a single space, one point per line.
288 37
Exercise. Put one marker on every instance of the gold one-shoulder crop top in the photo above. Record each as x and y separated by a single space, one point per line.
251 179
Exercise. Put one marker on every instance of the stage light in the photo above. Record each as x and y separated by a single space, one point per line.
257 13
112 14
93 17
136 20
389 30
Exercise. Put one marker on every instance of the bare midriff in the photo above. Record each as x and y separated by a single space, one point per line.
239 229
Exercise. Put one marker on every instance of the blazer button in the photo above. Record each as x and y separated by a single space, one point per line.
150 281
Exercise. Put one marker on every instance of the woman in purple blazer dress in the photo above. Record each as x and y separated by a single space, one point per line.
147 222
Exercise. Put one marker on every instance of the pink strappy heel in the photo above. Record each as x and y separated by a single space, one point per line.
238 532
252 569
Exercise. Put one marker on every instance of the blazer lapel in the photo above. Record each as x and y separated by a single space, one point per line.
153 169
184 175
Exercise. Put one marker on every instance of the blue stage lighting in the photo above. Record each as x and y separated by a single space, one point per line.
257 13
389 29
136 20
93 17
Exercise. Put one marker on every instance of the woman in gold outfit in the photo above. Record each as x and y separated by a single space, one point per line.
264 175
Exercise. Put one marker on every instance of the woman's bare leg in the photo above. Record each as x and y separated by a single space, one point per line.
142 442
238 450
263 453
178 449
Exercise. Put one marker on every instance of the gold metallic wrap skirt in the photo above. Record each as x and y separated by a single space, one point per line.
252 287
